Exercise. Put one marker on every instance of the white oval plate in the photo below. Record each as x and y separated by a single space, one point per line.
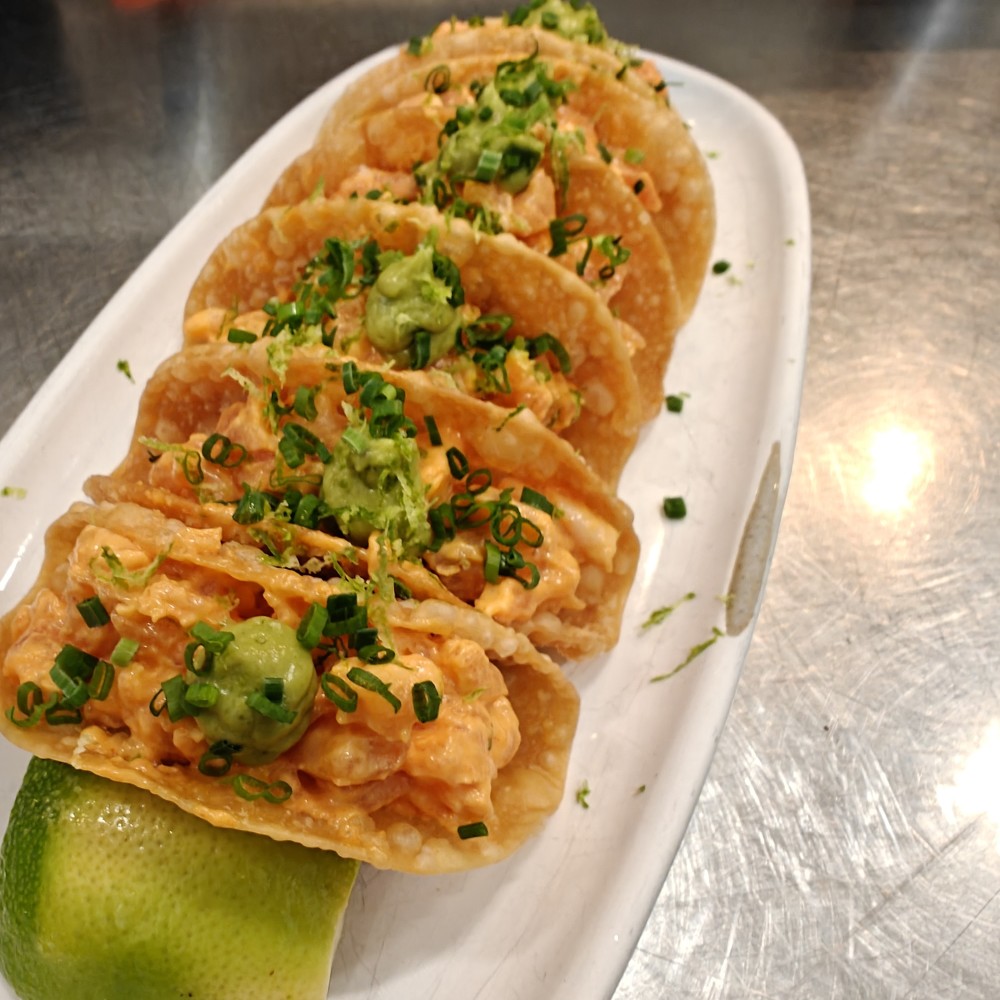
561 918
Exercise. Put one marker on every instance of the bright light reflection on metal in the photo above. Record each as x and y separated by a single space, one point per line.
900 462
976 791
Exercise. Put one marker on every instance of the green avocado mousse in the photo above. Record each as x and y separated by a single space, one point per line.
411 314
372 483
257 688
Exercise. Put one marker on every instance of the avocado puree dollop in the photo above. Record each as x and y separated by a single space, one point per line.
578 22
408 297
261 648
373 484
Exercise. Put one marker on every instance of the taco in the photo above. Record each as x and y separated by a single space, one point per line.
516 170
639 135
459 498
410 734
392 284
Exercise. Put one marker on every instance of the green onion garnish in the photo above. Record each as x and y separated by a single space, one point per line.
675 404
720 267
339 692
537 500
367 680
426 701
218 758
219 450
252 788
438 80
124 651
31 703
674 507
349 375
433 434
237 336
310 629
263 705
201 695
457 463
93 612
100 684
470 830
212 639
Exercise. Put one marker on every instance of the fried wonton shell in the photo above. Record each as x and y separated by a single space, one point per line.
190 390
365 823
263 258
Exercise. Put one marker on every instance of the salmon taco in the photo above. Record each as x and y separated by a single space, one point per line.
545 150
413 735
458 498
397 285
507 164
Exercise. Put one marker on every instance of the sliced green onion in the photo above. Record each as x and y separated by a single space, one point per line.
201 695
433 434
251 788
493 563
367 680
219 450
124 651
537 500
339 692
349 375
457 463
400 590
488 166
438 80
100 684
674 507
237 336
75 662
218 758
310 629
426 701
93 612
198 663
720 267
174 689
470 830
214 640
305 402
31 703
562 231
420 352
376 654
274 689
675 404
59 714
252 506
262 705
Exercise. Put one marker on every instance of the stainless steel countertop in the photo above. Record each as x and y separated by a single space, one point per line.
847 842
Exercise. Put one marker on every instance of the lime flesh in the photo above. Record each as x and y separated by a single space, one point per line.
109 892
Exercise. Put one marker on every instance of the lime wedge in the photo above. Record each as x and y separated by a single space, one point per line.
109 892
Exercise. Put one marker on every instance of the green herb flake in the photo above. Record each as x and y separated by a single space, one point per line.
15 492
721 266
675 403
660 615
634 156
126 370
582 794
674 508
693 654
640 790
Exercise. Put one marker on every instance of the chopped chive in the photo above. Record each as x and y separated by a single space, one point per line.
260 703
674 507
470 830
201 694
93 612
310 629
426 701
433 434
100 684
367 680
537 500
339 692
457 463
124 651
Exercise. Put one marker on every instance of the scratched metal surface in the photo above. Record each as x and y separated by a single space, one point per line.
847 843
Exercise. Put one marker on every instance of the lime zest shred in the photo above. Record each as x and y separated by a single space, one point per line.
693 653
660 615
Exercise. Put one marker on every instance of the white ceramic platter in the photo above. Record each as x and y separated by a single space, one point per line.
561 918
